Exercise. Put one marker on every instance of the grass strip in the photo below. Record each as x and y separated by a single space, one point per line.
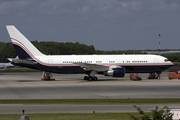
71 116
92 101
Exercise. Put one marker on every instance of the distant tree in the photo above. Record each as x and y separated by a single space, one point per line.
120 52
142 116
162 114
68 48
56 48
6 51
173 58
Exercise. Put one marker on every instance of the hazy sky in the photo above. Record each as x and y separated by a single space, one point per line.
106 24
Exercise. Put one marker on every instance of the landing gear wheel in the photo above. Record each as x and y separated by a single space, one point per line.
90 78
159 75
86 78
95 78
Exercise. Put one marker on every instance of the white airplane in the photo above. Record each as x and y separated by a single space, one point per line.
108 65
4 66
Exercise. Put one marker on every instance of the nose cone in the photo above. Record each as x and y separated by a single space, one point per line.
171 64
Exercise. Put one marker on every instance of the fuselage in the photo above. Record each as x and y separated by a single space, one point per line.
131 63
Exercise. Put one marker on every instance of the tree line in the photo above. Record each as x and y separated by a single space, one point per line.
49 48
59 48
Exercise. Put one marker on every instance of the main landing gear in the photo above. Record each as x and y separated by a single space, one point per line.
91 76
47 76
159 75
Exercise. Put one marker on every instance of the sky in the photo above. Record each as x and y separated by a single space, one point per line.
105 24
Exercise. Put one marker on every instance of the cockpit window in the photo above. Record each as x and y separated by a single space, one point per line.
165 60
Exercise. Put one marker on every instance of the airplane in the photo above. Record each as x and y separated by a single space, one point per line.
108 65
4 66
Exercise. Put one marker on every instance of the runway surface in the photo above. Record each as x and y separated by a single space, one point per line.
29 86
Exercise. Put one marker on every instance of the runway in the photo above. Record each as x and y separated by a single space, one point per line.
29 86
17 109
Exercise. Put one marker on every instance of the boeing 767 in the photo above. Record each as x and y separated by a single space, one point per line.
108 65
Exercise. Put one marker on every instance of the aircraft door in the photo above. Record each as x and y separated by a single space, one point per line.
155 60
50 61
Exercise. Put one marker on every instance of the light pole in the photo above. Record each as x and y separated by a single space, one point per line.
159 44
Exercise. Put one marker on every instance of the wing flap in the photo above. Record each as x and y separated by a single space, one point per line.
95 67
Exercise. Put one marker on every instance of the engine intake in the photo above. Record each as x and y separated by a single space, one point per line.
116 72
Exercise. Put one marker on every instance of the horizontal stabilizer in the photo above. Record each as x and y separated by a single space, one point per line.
10 59
19 61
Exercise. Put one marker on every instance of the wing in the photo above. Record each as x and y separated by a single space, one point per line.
96 67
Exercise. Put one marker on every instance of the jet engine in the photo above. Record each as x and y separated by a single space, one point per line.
115 71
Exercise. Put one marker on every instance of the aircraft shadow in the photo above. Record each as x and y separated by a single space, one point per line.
27 80
106 80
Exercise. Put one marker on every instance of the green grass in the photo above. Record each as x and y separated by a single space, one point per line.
92 101
71 116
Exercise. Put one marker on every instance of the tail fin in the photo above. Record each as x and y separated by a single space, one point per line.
24 48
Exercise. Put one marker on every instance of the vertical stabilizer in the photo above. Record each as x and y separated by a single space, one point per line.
24 48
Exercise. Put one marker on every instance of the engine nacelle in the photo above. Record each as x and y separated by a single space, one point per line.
116 72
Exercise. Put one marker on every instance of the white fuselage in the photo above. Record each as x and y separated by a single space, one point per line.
68 60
